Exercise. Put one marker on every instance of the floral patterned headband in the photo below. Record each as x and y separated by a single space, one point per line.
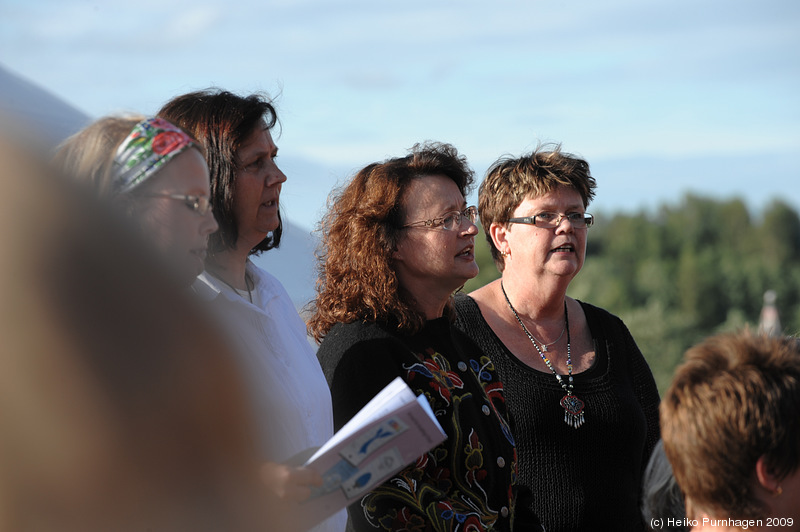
151 144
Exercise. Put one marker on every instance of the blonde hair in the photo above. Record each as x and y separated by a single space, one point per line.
121 406
87 155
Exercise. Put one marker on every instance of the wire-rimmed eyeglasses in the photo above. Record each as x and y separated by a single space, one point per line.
449 221
197 204
550 220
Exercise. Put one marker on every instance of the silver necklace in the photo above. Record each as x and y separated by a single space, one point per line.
573 407
542 345
239 292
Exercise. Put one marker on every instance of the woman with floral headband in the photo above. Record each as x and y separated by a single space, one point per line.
157 175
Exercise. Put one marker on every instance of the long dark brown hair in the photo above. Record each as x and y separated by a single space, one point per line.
223 121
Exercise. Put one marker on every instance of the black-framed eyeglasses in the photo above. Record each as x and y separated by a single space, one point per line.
551 220
197 204
450 221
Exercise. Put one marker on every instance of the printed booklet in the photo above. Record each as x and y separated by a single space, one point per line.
389 433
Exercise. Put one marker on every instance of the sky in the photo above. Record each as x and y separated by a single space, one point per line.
662 98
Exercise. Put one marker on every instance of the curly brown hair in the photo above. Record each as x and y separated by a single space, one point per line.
509 181
357 280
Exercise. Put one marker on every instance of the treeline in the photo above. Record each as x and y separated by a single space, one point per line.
680 273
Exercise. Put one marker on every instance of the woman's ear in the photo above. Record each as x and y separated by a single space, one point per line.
498 233
767 478
397 254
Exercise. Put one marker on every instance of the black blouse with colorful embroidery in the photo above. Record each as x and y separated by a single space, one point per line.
468 482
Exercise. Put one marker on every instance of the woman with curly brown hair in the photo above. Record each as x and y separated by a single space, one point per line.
397 242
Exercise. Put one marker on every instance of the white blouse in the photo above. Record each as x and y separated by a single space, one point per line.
289 394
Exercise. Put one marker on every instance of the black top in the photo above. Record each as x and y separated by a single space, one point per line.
587 478
467 482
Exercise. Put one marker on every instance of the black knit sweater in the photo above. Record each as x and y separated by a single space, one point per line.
587 478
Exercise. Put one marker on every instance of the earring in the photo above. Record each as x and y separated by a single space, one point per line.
505 254
778 491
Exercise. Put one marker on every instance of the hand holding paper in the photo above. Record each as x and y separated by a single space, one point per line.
288 483
389 433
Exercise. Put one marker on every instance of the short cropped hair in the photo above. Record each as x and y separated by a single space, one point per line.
357 280
223 122
509 181
735 399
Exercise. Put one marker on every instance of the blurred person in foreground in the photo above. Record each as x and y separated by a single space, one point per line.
286 383
154 174
120 408
731 427
583 402
397 241
662 500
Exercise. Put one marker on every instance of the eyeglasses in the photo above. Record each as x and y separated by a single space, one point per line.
551 220
198 204
449 222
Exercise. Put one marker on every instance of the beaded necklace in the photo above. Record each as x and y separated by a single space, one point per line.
573 407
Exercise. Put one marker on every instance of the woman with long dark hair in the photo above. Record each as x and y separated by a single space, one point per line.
287 387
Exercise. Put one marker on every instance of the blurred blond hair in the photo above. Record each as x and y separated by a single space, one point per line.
88 155
120 404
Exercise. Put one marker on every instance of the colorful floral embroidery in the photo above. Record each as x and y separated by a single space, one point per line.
453 487
437 369
483 368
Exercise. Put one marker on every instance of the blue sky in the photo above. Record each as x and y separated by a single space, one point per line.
660 97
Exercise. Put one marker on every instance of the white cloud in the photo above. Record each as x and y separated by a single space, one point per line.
192 24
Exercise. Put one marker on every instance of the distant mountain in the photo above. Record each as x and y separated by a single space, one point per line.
48 117
293 263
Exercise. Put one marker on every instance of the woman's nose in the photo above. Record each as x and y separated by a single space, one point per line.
275 176
210 224
564 225
471 228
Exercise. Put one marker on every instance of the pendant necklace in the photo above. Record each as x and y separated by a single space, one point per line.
573 407
543 346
